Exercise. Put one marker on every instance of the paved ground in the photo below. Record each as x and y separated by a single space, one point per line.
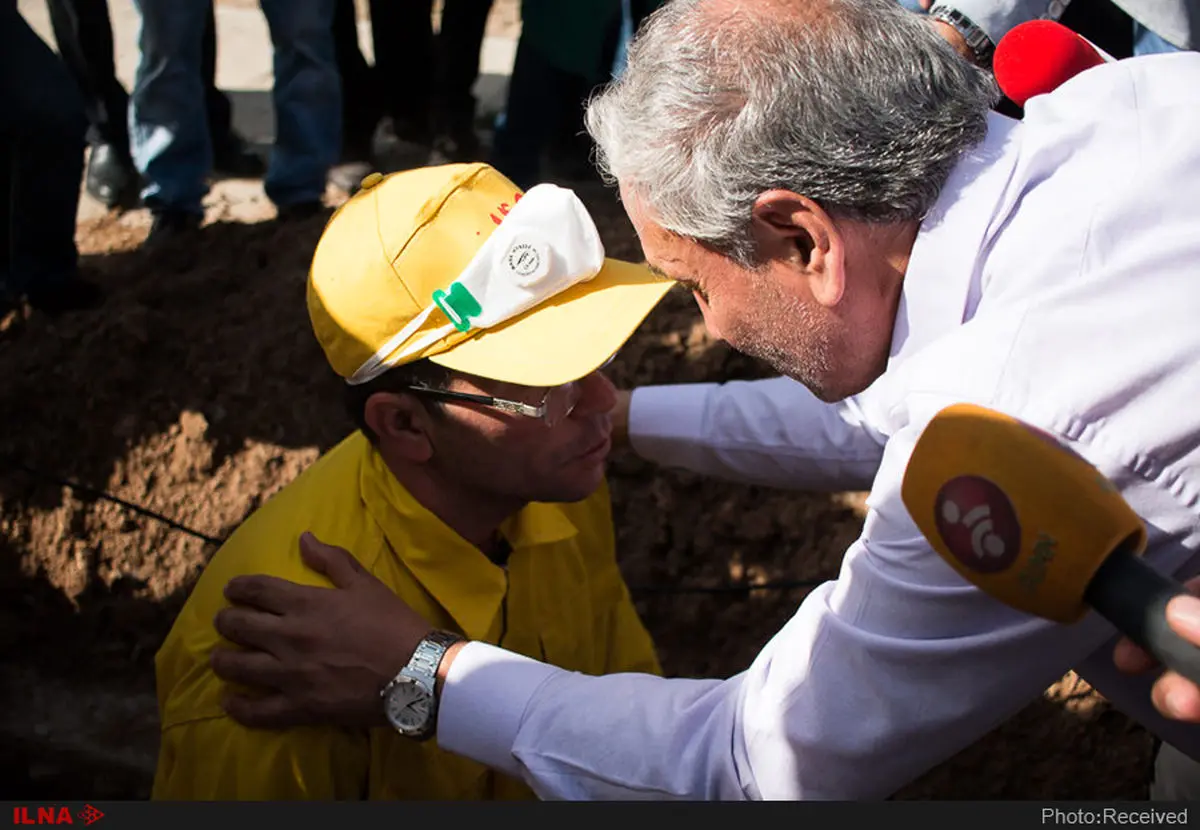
244 72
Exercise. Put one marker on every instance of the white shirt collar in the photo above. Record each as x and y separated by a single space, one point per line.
945 256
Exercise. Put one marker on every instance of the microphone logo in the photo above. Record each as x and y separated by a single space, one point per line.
977 523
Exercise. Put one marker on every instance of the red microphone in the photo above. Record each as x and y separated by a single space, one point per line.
1038 56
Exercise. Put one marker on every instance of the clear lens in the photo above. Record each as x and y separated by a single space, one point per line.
560 401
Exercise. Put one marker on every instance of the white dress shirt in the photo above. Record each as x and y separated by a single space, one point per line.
1058 280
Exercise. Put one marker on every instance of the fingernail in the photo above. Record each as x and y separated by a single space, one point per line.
1174 702
1184 611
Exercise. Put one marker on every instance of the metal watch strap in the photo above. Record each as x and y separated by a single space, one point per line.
428 655
977 40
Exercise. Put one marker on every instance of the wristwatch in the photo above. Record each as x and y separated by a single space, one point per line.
978 42
409 701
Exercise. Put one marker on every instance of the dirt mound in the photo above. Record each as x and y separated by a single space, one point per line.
198 391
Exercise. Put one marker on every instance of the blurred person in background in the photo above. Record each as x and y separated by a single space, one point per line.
172 148
422 81
83 32
565 51
42 128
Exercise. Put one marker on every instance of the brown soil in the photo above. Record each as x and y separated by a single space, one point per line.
198 391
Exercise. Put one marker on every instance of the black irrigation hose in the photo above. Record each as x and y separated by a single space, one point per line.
101 494
62 481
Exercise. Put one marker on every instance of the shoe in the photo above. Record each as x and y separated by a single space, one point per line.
170 226
410 146
348 176
300 211
232 157
358 160
412 130
456 146
76 294
111 178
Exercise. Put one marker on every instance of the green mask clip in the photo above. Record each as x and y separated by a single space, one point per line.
459 305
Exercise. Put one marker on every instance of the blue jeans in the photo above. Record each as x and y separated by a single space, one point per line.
626 35
167 121
1145 42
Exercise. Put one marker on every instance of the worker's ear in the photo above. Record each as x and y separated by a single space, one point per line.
402 424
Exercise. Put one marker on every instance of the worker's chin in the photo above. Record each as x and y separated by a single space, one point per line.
579 481
587 484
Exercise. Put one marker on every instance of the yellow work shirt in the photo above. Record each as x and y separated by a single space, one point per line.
561 599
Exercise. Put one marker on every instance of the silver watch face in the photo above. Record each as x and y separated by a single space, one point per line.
408 706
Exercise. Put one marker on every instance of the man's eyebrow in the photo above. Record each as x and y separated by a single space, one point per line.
684 282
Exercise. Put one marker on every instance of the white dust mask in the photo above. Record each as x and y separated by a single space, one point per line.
546 244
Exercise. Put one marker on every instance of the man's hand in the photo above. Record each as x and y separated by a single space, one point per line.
315 655
1174 696
955 39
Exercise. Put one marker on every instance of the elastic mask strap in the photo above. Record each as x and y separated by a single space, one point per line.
378 363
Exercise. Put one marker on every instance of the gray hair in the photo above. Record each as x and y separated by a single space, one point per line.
857 104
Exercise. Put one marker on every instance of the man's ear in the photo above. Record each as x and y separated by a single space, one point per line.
402 423
795 231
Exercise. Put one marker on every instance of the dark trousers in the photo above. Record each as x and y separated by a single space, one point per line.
458 46
544 112
1104 24
545 104
407 58
42 127
85 41
361 106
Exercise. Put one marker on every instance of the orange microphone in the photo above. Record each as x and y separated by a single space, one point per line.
1033 524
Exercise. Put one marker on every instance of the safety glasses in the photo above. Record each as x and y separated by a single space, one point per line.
556 406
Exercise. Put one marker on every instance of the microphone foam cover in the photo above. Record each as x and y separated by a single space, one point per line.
1037 57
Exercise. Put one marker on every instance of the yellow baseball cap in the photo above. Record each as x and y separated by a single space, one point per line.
456 264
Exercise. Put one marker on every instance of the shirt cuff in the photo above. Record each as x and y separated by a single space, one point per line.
666 423
483 701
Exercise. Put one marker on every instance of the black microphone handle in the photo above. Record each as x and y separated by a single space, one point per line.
1133 596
